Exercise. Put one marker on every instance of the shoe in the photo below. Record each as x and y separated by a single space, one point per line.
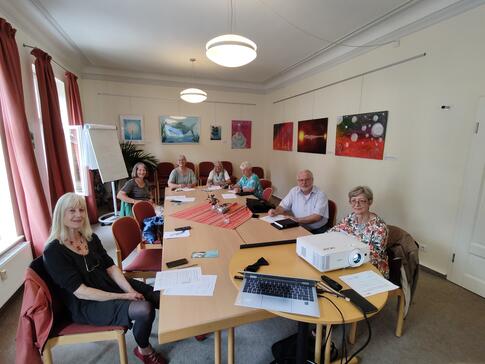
152 358
201 337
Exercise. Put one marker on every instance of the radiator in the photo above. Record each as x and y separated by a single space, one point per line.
12 270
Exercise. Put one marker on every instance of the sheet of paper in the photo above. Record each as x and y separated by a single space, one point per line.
185 189
231 191
176 234
187 199
174 197
214 188
228 196
170 278
272 219
203 287
368 283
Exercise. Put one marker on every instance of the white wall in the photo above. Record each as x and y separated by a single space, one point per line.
419 187
105 101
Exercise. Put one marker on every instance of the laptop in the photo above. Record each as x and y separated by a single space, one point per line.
277 293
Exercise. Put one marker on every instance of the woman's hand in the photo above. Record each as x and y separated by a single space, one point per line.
133 296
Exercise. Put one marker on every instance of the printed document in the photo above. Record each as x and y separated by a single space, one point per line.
202 287
368 283
171 278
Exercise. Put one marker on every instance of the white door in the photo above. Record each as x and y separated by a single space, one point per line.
468 268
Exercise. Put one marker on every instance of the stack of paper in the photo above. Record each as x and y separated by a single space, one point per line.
185 189
176 234
185 282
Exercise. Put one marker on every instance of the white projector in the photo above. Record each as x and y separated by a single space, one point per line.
330 251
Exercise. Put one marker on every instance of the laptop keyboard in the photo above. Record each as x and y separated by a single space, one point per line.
277 288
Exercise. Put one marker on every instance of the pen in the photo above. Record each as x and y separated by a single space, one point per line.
238 277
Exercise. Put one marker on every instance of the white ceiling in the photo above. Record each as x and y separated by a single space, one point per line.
157 37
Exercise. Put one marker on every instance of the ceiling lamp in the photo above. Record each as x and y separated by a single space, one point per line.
193 95
231 50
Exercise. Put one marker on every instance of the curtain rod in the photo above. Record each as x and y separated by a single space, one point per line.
352 77
53 60
174 100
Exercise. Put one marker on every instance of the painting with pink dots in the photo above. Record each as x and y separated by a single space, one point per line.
361 135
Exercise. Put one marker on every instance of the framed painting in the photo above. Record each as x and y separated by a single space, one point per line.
241 134
312 136
361 135
179 129
283 136
216 132
131 128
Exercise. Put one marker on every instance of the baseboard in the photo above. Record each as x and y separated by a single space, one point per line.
432 271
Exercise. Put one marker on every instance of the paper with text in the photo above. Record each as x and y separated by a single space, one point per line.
171 278
368 283
203 287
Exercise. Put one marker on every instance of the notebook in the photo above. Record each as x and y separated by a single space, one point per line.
284 224
277 293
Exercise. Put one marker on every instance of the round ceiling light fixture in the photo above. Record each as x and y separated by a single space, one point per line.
193 95
231 50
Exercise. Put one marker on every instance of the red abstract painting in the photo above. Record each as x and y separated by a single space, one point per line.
241 134
283 136
312 136
362 135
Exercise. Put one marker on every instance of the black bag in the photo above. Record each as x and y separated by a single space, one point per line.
258 206
284 351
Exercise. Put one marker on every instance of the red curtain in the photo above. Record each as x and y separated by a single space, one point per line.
58 171
31 203
75 111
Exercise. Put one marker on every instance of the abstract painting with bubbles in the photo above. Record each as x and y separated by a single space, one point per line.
361 135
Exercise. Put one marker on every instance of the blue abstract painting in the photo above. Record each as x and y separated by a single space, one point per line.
180 129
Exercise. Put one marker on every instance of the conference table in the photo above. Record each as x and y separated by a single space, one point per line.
186 316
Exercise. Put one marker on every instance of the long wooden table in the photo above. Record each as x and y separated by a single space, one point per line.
183 317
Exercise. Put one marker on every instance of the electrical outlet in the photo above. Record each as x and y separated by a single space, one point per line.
423 248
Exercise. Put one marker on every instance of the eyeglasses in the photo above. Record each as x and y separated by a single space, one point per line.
89 270
303 179
354 202
255 267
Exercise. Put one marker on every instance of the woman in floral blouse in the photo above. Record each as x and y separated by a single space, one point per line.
367 227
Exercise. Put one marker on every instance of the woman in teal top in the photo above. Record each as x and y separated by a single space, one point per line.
249 182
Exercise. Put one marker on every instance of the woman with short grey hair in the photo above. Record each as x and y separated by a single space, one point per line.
366 226
249 182
182 176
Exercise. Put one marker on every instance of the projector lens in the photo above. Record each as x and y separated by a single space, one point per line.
356 258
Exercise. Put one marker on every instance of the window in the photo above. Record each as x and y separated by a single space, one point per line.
72 135
8 228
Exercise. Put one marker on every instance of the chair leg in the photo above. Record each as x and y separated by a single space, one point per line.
400 315
318 343
120 337
352 332
47 354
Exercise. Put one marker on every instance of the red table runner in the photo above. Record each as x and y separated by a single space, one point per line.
203 213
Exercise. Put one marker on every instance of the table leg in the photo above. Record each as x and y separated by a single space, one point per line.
318 343
217 347
352 333
230 345
301 343
328 345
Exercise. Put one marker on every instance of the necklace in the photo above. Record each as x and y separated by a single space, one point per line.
80 246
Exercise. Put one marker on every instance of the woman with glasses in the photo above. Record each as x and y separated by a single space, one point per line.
367 227
93 288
